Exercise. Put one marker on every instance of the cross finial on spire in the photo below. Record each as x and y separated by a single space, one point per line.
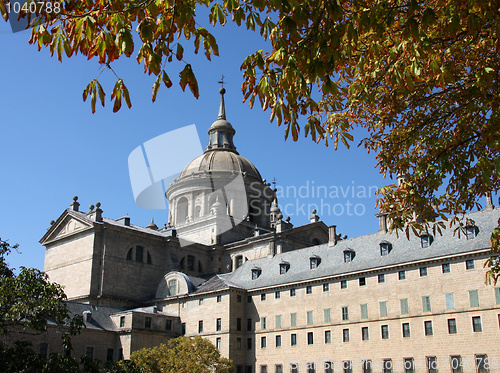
274 182
221 81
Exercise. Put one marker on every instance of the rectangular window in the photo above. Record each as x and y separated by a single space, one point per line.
406 330
329 366
109 354
326 315
249 325
381 278
387 366
476 324
452 326
238 343
44 350
426 303
385 331
200 326
238 324
446 268
402 275
90 353
473 298
409 365
450 301
326 287
482 364
293 340
423 271
147 323
328 336
345 313
278 368
364 333
364 311
122 321
263 342
456 363
138 254
277 295
263 323
263 369
432 366
309 289
497 295
168 324
277 321
294 368
362 281
278 341
383 309
218 325
293 319
263 297
345 335
347 366
310 317
404 306
238 298
343 284
219 298
469 264
292 292
310 368
428 327
218 342
249 299
310 338
249 343
367 366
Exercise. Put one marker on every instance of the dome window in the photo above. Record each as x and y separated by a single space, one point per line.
425 240
314 261
471 232
385 248
284 267
349 255
256 272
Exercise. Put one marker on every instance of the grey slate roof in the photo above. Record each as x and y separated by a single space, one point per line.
217 282
367 254
101 319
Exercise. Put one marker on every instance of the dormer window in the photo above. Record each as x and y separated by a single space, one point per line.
256 273
349 255
314 262
385 248
471 232
284 267
425 240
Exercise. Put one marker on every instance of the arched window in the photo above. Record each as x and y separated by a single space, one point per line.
172 287
182 210
139 254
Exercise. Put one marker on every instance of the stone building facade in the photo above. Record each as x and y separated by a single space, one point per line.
274 297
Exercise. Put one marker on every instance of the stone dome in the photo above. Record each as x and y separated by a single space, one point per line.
221 161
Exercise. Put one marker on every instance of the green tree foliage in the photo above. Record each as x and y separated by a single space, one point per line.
28 300
420 77
182 355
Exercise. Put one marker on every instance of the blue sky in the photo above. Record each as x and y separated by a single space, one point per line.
53 147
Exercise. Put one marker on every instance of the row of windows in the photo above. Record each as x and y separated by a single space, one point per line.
481 364
365 333
381 278
349 254
383 309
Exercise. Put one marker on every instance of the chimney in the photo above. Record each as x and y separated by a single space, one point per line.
489 202
382 222
332 235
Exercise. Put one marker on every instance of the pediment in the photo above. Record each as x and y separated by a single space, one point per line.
66 225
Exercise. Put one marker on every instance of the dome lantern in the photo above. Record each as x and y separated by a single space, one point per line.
221 132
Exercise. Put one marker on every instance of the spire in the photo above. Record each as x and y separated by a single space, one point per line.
221 132
222 107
